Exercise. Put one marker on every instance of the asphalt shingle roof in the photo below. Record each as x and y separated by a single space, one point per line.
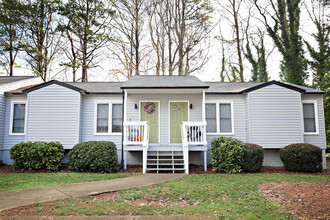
10 79
145 82
164 82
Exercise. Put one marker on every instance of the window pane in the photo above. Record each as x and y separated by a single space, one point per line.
225 111
309 117
211 126
102 118
309 124
210 110
18 118
225 118
117 117
225 125
309 111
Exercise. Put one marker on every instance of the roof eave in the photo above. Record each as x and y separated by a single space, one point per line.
166 87
82 91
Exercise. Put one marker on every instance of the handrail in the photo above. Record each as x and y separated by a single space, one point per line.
136 133
195 132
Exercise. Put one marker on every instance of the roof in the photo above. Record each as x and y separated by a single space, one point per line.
245 87
161 82
99 87
164 82
10 79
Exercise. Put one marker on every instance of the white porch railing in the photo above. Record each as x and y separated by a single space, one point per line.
136 133
192 133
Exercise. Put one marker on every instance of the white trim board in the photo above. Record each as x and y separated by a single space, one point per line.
12 117
217 108
317 130
110 103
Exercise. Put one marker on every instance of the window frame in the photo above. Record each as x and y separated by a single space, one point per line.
314 102
11 122
110 103
217 108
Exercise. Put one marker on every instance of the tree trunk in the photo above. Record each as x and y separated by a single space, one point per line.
238 44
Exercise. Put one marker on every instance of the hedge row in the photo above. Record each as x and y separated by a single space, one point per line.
92 156
232 156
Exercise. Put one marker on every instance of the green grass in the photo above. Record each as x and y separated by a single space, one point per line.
230 196
21 181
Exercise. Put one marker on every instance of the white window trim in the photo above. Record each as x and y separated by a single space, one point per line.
316 117
12 117
217 108
110 103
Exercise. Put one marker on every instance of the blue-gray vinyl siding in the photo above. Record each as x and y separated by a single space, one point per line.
54 115
320 138
275 116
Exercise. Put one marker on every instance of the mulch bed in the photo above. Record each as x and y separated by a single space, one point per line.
303 199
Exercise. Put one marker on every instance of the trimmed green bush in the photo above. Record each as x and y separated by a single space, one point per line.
302 158
93 156
227 154
37 155
253 158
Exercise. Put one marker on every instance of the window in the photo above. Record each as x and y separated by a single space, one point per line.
219 117
18 118
117 110
108 118
310 120
102 118
225 118
211 118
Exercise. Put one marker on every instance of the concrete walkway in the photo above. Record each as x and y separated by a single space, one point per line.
10 200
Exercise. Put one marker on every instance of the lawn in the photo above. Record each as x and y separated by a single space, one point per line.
20 181
234 196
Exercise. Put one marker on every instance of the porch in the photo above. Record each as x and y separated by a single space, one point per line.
165 122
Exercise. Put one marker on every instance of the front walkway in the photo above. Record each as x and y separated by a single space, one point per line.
27 197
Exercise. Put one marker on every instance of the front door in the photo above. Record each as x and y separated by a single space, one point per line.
178 114
151 116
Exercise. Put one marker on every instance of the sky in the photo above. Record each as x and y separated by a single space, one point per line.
211 70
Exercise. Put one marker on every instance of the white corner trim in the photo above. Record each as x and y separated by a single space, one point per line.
315 115
12 117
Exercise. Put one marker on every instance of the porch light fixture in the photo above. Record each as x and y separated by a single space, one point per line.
191 106
135 106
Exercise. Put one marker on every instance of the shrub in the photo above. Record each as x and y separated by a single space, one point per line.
37 155
302 158
227 154
253 157
93 156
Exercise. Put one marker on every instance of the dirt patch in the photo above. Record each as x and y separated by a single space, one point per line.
144 200
303 199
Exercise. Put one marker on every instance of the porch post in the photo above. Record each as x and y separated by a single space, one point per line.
125 160
205 160
124 153
203 107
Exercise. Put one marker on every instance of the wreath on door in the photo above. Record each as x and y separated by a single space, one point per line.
149 107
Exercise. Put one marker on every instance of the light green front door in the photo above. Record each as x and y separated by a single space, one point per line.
152 120
178 114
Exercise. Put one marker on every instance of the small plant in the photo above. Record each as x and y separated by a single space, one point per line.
93 156
253 157
302 158
37 155
227 154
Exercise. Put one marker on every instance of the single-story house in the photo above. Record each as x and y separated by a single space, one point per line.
164 122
